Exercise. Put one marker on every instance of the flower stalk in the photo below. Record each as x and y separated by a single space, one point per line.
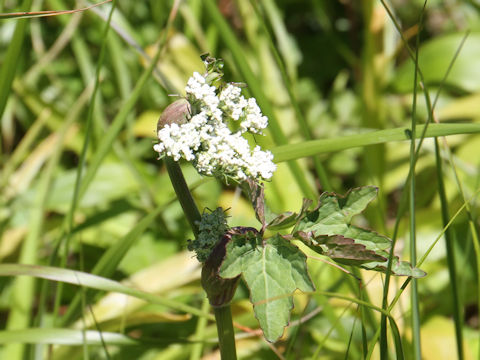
183 194
213 128
226 336
223 315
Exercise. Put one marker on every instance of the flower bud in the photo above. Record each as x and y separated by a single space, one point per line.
177 112
219 291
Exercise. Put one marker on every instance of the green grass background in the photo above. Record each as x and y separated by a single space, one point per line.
81 187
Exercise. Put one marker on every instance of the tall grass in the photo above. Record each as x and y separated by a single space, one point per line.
93 239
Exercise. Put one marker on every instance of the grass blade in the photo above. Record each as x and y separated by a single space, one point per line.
415 306
82 161
64 337
309 148
255 87
270 7
109 261
10 61
450 249
397 339
80 278
23 288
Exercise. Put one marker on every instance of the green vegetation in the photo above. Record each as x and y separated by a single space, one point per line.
359 95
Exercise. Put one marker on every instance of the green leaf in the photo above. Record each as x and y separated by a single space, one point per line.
273 270
282 221
327 230
64 337
87 280
334 212
345 250
399 268
435 58
322 146
288 218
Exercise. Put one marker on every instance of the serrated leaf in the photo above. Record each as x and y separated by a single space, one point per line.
273 270
356 200
327 230
399 268
334 212
369 238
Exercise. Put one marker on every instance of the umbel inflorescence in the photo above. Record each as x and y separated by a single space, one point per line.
205 137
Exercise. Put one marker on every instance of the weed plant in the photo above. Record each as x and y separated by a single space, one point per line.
368 103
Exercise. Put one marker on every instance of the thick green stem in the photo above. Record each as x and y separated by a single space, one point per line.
226 336
223 315
183 194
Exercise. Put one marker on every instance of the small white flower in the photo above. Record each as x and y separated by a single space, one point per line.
254 121
208 142
233 101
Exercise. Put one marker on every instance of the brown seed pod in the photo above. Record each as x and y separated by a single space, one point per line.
177 112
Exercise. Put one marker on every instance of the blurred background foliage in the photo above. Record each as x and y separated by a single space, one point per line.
322 69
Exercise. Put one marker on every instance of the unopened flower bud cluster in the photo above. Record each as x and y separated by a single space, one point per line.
211 229
206 139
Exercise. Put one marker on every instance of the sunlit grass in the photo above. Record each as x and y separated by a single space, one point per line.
85 203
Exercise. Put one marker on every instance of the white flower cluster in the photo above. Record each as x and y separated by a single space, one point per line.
206 139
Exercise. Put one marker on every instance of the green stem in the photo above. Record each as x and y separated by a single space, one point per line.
183 194
226 336
415 306
223 315
450 253
202 323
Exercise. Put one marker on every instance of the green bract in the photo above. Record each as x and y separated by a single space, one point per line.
211 229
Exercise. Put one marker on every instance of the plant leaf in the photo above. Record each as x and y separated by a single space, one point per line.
92 281
399 268
282 221
334 212
327 230
288 218
345 250
65 337
435 60
273 270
